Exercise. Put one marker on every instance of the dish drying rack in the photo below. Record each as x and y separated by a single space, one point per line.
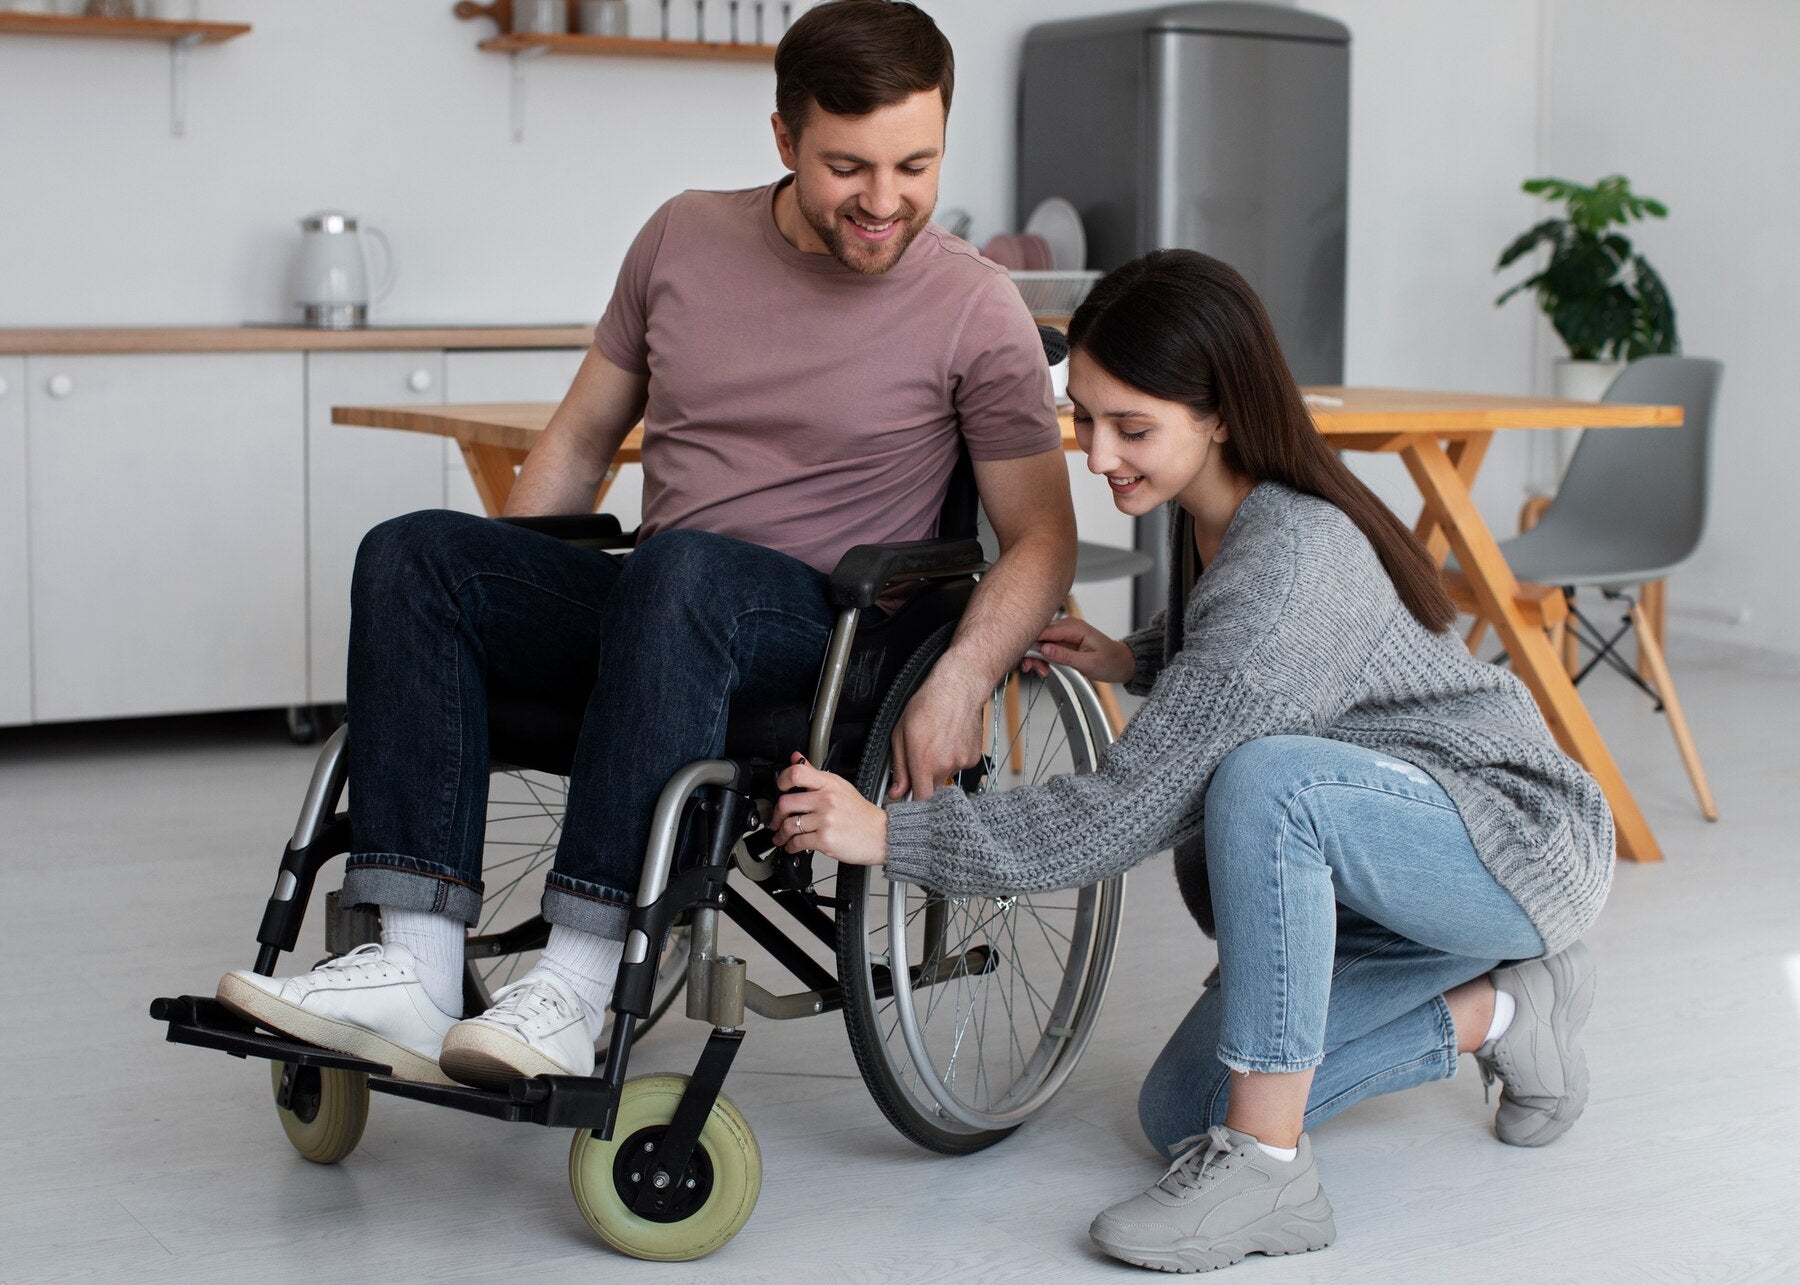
1053 294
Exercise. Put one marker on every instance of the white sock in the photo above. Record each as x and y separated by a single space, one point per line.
586 964
1280 1153
436 943
1504 1008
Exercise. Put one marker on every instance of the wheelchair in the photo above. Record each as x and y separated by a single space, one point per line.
965 1015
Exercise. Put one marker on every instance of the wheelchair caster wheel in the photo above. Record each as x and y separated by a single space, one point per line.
713 1198
326 1111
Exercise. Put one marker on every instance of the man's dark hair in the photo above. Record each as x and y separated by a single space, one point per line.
853 56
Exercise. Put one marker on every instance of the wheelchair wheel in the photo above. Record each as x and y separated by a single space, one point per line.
327 1110
714 1198
524 822
1005 990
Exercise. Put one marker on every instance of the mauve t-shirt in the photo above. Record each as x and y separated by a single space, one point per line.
807 408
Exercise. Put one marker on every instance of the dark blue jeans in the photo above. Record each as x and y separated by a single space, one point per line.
653 648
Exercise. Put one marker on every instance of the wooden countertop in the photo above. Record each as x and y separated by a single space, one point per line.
164 339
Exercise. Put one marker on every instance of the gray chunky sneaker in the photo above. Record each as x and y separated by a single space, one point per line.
1222 1199
1539 1059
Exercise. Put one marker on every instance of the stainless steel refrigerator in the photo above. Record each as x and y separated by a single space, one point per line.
1214 127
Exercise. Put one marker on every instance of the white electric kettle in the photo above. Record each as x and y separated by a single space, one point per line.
331 278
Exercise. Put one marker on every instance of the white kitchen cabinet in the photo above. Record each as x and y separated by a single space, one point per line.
356 478
15 567
515 375
167 532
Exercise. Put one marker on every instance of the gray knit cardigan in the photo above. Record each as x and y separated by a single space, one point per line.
1295 629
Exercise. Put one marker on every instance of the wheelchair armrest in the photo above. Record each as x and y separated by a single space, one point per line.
584 530
867 569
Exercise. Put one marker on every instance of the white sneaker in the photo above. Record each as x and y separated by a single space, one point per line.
369 1004
537 1026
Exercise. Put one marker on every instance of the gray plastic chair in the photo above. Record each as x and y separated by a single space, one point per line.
1632 508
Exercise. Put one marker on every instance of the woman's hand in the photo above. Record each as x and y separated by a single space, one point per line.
1084 649
824 813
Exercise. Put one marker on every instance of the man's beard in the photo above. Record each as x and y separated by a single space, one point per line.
869 260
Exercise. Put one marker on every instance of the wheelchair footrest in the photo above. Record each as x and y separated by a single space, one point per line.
559 1101
208 1024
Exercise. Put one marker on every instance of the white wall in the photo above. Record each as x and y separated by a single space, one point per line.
1697 104
385 109
388 110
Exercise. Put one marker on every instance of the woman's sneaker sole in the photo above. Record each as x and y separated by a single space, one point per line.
248 1000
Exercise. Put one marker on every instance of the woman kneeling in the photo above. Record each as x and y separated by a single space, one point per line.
1372 822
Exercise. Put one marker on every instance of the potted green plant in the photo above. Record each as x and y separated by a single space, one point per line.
1604 299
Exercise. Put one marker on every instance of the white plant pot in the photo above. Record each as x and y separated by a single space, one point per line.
1584 381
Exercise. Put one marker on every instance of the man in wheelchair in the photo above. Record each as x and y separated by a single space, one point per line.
810 360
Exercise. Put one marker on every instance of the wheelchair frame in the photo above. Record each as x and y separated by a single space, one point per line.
712 800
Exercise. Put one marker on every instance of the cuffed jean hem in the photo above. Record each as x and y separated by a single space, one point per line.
373 879
586 907
1270 1065
1447 1029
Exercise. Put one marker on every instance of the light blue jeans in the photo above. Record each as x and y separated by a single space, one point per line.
1348 898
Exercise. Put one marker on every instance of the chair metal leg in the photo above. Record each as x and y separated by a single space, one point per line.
1650 650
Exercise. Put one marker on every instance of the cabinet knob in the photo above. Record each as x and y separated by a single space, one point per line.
419 380
60 385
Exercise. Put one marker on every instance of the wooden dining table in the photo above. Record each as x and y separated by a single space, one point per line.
1440 436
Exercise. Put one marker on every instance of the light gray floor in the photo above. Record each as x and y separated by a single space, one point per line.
136 858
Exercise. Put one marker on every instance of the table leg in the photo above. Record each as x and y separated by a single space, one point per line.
1456 519
492 468
1466 454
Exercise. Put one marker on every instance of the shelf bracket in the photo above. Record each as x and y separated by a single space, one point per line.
519 58
178 58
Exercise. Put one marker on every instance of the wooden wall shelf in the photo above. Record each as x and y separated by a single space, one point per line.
178 36
59 24
629 47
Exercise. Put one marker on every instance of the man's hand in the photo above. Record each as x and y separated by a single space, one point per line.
824 813
940 732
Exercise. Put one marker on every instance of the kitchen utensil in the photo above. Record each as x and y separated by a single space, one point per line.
1059 223
171 10
331 279
700 21
540 17
758 7
733 6
1056 352
665 19
955 221
604 17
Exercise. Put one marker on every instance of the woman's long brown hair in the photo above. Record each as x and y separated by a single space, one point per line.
1183 327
